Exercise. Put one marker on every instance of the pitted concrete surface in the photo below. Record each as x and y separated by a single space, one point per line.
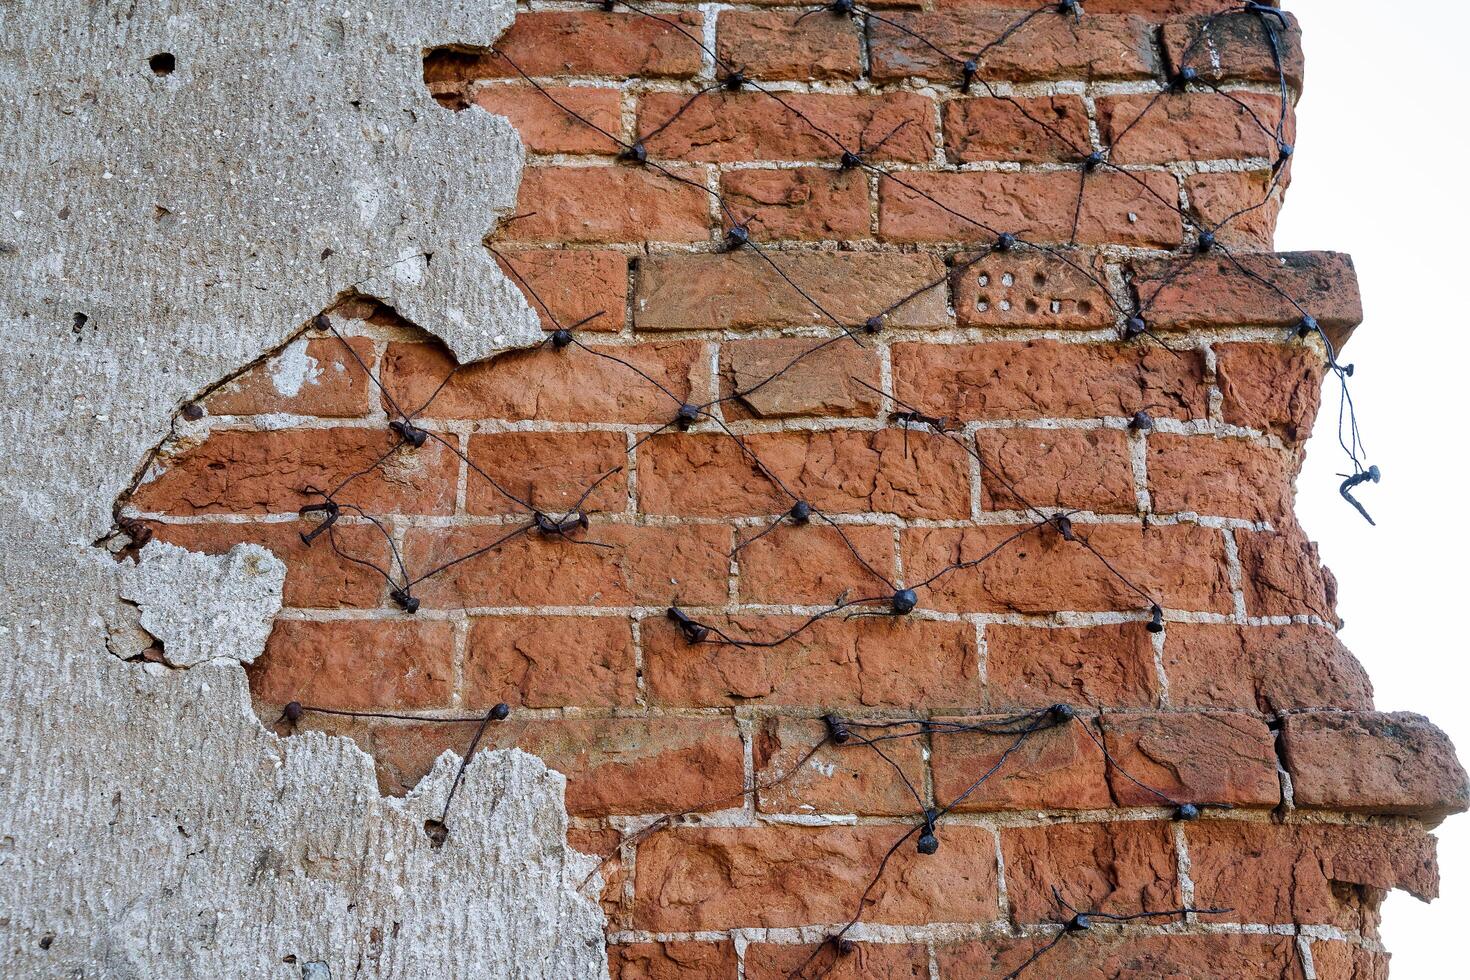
185 184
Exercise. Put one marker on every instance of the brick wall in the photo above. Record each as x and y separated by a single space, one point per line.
1245 697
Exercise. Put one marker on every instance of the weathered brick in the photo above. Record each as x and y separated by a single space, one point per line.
1083 469
1117 208
642 565
1103 956
843 471
1382 763
571 385
1153 9
316 576
866 961
356 664
1191 758
547 43
1046 129
1057 768
1034 290
1343 961
249 472
1234 47
679 960
743 292
1111 666
798 376
1040 379
1272 387
615 203
1049 46
1239 206
1262 668
1215 292
770 44
572 285
318 376
551 471
1270 873
1284 576
801 204
698 878
812 564
850 778
1191 126
545 128
603 843
1183 566
1119 868
837 663
721 127
1220 477
549 662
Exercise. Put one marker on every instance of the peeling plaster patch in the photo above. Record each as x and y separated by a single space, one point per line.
206 606
162 229
293 369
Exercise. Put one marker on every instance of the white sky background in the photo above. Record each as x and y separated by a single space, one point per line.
1381 168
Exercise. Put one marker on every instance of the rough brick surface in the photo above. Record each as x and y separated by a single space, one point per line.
779 44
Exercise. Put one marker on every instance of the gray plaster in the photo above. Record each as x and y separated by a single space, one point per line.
158 232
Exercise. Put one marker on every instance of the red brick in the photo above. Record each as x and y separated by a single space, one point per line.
1182 566
546 128
802 204
1040 379
1342 961
798 376
1272 387
600 204
850 778
356 664
549 470
571 385
812 564
724 127
248 472
1240 207
1214 292
1190 126
680 960
1396 763
308 377
1220 477
1084 469
771 44
866 961
1047 129
547 43
1121 956
1048 47
1110 666
974 205
744 292
696 878
549 662
1191 758
1153 9
1234 47
573 284
1269 669
1275 874
1284 576
836 663
1031 290
1118 868
842 471
643 565
316 576
1056 768
602 843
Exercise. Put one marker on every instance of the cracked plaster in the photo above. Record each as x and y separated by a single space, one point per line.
161 228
